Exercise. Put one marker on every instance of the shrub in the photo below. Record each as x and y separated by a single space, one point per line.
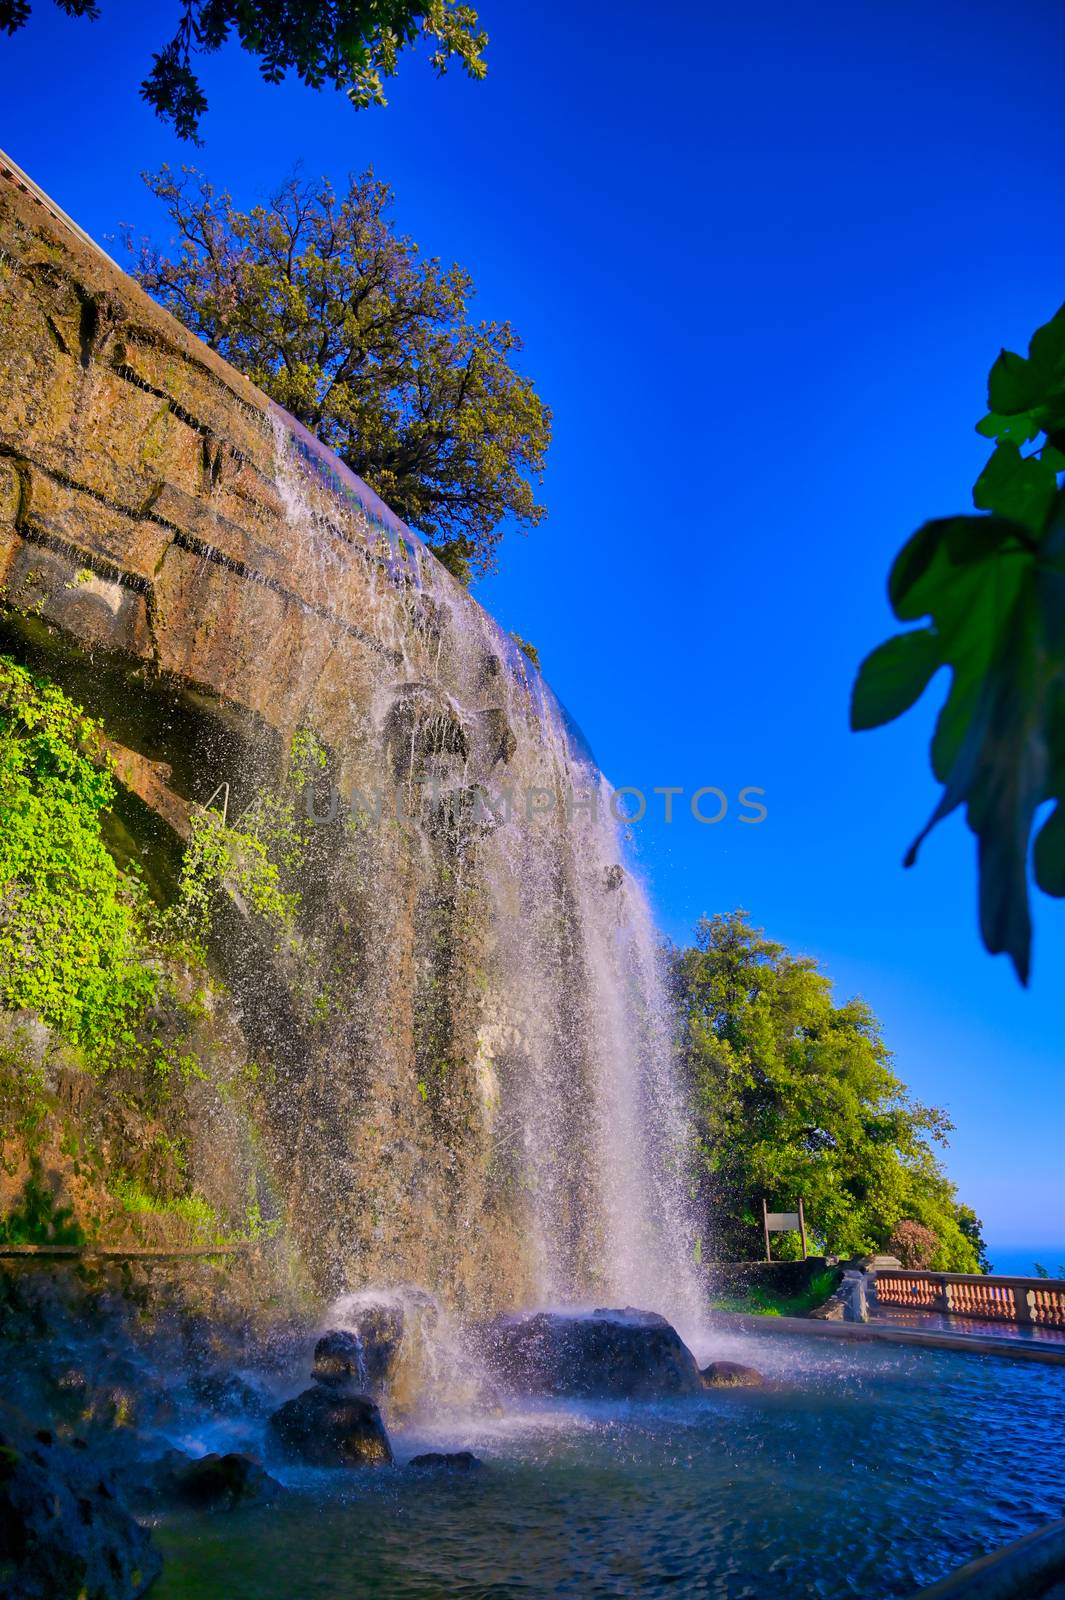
913 1243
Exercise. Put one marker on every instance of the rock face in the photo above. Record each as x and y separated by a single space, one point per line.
623 1355
63 1528
324 1429
210 585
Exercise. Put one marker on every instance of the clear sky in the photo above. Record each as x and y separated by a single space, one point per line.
762 258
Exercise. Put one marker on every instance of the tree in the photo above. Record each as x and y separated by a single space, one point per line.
366 341
793 1095
993 587
351 44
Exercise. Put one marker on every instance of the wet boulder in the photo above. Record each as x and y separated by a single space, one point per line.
446 1461
63 1528
393 1334
338 1360
228 1393
325 1429
731 1375
618 1355
204 1483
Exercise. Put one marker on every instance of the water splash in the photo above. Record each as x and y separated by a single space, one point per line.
573 1059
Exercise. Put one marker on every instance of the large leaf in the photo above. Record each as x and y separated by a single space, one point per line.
1022 488
1048 856
994 594
992 591
894 677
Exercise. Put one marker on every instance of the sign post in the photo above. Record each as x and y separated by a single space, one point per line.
783 1222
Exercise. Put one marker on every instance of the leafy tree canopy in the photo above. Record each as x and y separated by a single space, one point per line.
794 1095
353 45
992 587
366 341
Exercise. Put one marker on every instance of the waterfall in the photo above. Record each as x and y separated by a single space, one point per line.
570 1040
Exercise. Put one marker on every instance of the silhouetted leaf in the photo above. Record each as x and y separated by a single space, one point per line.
1021 488
993 589
1049 854
894 677
1026 394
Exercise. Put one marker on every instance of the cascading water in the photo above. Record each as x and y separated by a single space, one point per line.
573 1051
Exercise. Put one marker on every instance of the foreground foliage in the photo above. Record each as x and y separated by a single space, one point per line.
72 925
112 989
993 589
793 1095
354 45
369 344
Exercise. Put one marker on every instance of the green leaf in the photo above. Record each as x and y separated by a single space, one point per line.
894 677
1020 488
993 587
1012 385
1048 857
910 565
1029 390
971 539
1020 428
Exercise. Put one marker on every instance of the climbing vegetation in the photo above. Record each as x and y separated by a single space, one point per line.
257 859
73 927
990 589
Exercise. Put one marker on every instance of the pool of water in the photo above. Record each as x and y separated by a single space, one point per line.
860 1470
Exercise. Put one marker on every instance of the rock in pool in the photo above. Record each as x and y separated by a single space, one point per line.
338 1360
623 1355
326 1429
204 1483
447 1461
730 1375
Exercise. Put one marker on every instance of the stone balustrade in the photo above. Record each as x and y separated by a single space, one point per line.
1039 1302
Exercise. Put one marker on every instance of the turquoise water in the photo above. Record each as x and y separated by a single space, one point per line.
859 1471
1019 1260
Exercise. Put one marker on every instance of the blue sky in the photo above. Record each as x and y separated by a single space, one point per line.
762 259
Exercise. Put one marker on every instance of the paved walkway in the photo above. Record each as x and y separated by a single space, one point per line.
1032 1345
941 1322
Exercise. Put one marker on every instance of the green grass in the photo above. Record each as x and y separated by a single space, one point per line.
765 1303
191 1208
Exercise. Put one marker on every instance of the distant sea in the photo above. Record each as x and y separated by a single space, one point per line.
1018 1261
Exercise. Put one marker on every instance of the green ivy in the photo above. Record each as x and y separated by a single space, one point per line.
73 926
258 859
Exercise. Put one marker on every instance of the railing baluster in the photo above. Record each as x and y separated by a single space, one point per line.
1024 1301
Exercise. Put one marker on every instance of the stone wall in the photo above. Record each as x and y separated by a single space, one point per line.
151 561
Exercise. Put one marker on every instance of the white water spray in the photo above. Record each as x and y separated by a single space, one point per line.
574 1056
